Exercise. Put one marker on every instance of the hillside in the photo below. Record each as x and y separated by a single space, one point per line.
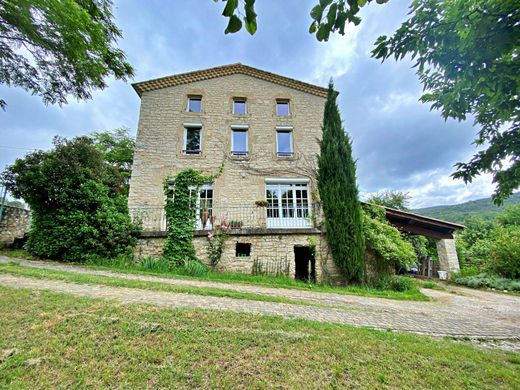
459 212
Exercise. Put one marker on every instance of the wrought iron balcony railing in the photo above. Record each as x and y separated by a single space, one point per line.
153 218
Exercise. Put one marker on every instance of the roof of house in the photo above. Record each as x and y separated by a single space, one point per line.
419 224
227 70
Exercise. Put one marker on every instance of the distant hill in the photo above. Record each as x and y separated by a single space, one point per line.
459 212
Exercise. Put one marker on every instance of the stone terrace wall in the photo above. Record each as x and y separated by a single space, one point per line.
15 223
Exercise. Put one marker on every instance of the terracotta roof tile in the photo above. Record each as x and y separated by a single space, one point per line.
227 70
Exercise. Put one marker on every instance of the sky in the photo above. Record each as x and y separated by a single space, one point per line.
398 142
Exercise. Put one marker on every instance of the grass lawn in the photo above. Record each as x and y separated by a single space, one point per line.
228 277
50 340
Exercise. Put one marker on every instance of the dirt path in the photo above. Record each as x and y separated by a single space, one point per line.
458 312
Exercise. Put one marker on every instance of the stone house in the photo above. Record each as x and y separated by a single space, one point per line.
264 129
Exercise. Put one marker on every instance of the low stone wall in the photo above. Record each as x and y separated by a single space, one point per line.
15 223
265 246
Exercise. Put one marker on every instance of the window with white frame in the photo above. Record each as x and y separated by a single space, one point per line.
282 107
194 103
239 106
284 141
204 207
192 139
239 140
288 204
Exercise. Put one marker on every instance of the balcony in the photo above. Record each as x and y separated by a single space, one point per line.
153 218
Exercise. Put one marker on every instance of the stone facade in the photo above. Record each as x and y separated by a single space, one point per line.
160 138
15 223
159 154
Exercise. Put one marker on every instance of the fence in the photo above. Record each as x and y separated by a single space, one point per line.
271 267
153 218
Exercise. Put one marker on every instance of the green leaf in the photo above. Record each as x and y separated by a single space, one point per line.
317 13
250 25
381 1
234 25
361 3
250 18
313 28
323 32
325 3
230 7
331 15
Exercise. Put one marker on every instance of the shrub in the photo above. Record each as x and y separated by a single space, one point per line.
386 240
78 207
194 267
505 253
486 280
393 283
150 263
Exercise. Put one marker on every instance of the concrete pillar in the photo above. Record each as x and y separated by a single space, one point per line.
448 260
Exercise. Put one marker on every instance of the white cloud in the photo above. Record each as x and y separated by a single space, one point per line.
335 57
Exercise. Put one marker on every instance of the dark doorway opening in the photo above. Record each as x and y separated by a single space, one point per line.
305 264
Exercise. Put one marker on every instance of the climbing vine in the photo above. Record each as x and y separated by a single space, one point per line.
180 209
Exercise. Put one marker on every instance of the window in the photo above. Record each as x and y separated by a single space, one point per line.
243 250
239 145
284 147
192 135
288 204
194 103
239 106
204 209
282 107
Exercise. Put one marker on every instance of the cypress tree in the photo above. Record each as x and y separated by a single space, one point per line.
339 193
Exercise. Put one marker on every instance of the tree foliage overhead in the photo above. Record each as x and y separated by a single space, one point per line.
339 194
59 48
467 55
76 199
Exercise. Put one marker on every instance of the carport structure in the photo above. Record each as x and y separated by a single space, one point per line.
441 231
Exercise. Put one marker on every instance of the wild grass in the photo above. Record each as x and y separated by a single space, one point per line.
50 340
159 267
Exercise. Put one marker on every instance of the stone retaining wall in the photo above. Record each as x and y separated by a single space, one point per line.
264 247
15 223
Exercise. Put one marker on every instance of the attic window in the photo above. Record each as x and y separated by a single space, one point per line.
243 249
239 106
282 107
194 103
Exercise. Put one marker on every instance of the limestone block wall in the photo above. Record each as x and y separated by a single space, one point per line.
265 247
15 223
160 138
448 259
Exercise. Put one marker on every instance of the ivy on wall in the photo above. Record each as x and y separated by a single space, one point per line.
181 193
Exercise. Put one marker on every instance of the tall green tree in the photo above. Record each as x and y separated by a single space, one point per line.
467 58
339 193
117 147
59 48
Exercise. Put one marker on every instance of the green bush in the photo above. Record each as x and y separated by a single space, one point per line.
486 280
150 263
194 267
386 240
505 253
77 202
